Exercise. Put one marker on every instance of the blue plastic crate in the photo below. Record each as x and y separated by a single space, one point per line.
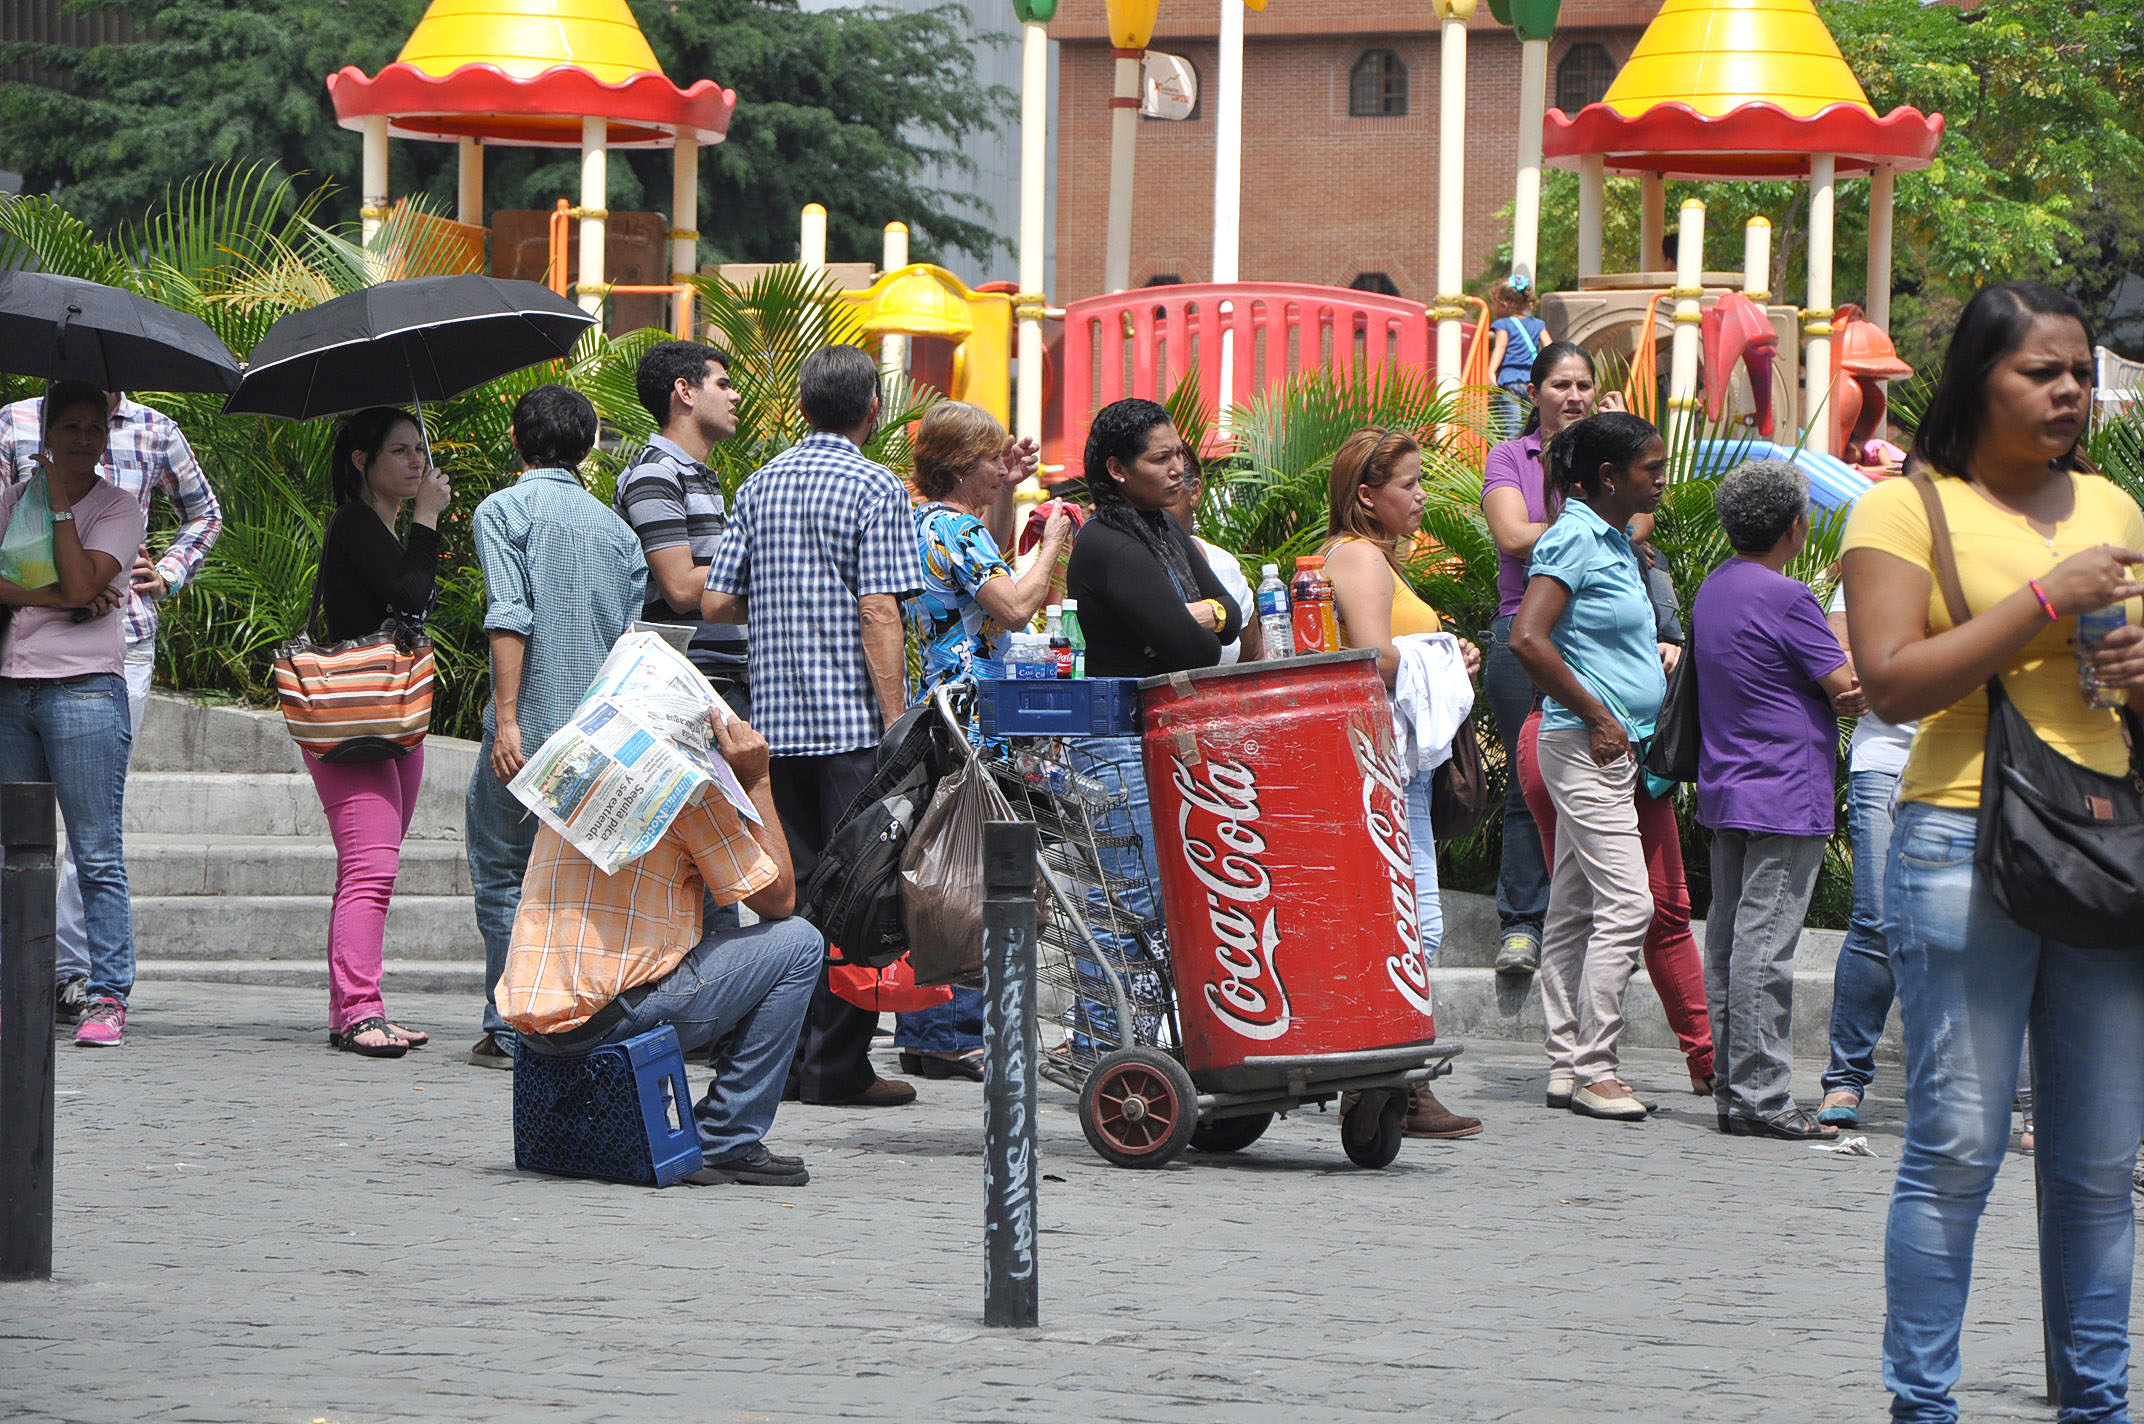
1066 707
607 1114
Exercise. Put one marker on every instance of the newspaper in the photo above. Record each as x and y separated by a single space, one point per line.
636 752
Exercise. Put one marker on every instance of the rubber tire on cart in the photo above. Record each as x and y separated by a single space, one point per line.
1230 1134
1371 1134
1138 1108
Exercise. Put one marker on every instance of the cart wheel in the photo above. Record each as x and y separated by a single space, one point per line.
1370 1133
1138 1108
1231 1134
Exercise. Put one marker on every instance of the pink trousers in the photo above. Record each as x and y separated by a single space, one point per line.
368 806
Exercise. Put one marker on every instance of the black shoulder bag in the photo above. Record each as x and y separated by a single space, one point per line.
2061 846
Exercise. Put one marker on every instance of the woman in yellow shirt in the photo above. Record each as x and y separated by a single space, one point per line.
1373 504
2030 523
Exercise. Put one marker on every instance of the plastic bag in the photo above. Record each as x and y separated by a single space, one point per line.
888 989
26 557
942 877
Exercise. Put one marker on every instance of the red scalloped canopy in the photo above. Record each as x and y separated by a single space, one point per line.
1757 140
483 101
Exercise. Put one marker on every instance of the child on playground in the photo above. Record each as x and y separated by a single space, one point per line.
1519 336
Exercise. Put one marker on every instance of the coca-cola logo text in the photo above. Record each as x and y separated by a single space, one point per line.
1222 845
1384 812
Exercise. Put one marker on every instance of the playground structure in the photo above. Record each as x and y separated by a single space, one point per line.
1716 90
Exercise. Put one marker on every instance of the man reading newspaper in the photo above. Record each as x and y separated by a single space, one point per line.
599 958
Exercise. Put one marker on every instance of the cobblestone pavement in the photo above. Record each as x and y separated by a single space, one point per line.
253 1228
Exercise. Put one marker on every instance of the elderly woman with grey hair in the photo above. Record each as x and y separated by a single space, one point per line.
1771 679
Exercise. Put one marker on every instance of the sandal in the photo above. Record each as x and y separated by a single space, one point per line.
347 1040
414 1037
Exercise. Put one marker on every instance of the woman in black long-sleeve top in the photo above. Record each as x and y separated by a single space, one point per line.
1148 605
367 575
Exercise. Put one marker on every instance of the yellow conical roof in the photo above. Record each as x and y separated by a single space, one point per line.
1717 55
524 38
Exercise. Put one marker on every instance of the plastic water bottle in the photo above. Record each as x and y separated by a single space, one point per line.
1053 637
2092 630
1072 662
1274 615
1035 660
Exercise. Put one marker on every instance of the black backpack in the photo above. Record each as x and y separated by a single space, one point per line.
854 894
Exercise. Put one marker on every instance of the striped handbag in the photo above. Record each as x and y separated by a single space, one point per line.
368 699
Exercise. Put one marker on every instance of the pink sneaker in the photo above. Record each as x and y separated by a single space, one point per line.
104 1025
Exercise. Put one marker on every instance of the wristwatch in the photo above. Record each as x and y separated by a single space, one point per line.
63 516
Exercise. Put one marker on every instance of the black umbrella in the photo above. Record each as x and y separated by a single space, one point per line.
66 328
421 339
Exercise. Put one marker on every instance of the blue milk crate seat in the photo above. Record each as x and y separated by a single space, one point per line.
1068 707
622 1112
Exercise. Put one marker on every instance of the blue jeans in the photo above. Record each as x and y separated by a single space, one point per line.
1861 980
1116 763
955 1026
500 832
78 735
1969 980
1522 875
745 990
1428 902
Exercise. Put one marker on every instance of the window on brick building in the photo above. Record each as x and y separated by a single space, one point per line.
1164 279
1584 76
1376 282
1377 86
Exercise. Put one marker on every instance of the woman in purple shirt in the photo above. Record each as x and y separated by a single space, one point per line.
1770 679
1515 500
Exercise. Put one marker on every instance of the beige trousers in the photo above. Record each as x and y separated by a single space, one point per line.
1599 906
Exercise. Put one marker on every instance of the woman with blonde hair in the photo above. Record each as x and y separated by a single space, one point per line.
966 471
1374 508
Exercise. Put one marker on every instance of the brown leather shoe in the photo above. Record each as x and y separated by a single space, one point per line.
883 1093
1426 1117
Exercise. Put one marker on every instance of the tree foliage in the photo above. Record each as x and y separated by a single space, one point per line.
849 108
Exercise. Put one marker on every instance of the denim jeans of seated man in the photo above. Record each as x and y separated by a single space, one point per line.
1969 979
77 735
745 990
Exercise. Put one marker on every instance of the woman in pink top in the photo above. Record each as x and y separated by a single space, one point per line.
63 699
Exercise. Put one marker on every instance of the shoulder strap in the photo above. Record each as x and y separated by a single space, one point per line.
1940 549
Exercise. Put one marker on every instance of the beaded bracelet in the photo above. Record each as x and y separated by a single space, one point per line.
2045 605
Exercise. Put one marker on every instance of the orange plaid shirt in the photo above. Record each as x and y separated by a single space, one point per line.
582 938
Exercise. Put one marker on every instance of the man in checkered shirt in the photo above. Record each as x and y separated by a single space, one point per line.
147 456
819 552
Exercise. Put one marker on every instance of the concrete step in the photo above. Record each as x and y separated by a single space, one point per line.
401 976
277 865
191 803
1472 935
294 928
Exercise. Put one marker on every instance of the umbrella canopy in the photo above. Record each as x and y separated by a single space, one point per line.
66 328
422 339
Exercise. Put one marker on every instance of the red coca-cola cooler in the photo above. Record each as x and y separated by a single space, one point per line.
1287 893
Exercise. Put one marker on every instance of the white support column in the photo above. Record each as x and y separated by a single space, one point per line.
684 224
1450 308
373 201
1031 302
469 183
1592 205
1816 317
1883 189
1228 186
1689 297
893 350
1526 203
595 192
811 238
1757 260
1652 223
1123 156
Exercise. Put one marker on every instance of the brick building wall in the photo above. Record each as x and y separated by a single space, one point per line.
1326 197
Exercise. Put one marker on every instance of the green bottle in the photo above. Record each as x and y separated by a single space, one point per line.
1072 658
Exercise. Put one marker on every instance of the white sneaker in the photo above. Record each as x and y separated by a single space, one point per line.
1560 1088
1587 1103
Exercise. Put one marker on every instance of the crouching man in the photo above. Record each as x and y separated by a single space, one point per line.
597 959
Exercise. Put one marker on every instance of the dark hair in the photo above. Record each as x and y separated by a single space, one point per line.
1119 432
1615 438
1993 325
666 363
554 428
836 386
1547 359
365 432
63 396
